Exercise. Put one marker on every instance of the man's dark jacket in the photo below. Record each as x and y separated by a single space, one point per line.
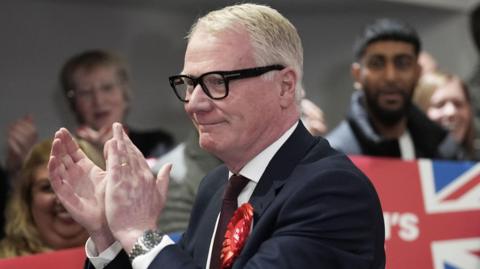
312 209
356 136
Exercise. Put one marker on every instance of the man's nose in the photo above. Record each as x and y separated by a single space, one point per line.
198 99
390 72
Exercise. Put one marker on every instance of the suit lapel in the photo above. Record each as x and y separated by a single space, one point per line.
280 167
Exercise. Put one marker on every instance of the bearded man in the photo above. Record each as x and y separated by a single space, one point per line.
382 120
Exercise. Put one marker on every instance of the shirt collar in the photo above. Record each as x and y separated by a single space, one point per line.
254 169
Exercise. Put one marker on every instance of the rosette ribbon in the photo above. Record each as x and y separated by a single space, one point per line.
236 235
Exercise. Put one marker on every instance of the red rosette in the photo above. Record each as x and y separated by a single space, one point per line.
236 235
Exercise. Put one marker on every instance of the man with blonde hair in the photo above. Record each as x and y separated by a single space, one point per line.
302 203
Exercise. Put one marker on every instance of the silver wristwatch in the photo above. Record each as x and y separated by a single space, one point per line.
145 243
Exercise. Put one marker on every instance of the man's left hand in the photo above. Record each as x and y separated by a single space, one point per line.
134 198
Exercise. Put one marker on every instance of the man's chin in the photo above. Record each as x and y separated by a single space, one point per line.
206 143
391 117
388 116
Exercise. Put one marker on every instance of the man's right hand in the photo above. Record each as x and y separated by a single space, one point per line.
80 185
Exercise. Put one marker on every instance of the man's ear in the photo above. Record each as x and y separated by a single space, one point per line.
356 71
287 86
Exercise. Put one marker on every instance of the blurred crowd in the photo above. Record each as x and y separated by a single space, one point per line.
403 105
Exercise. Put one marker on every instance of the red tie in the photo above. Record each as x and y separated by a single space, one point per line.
235 185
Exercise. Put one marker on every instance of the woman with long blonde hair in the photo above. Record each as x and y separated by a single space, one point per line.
446 100
35 220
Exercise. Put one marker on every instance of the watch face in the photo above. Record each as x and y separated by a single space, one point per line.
145 243
152 238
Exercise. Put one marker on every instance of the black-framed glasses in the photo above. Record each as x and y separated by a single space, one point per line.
215 83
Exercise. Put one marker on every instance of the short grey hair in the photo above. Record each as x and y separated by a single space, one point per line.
274 38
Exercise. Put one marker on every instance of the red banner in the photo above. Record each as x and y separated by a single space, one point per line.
66 259
431 211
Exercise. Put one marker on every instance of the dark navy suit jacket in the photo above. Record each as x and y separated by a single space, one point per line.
312 209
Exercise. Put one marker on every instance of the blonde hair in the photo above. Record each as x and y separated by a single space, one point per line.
426 87
21 234
274 39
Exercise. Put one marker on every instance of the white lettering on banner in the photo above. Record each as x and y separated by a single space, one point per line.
404 224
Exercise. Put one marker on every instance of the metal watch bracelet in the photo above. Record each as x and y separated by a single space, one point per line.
145 243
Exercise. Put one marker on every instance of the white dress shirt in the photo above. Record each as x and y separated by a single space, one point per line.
253 170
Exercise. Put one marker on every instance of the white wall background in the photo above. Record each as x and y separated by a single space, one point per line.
38 35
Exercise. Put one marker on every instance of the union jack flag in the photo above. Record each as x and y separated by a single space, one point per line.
431 211
452 187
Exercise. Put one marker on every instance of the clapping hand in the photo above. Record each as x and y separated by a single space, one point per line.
117 204
80 186
21 137
312 117
134 197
